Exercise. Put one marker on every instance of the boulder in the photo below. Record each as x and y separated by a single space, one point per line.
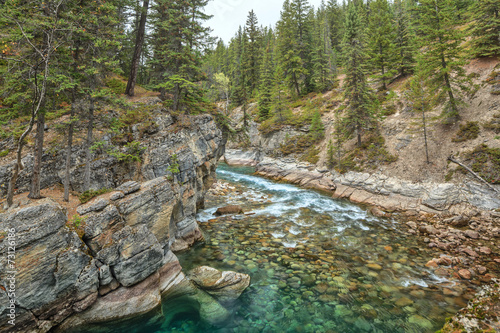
225 286
232 209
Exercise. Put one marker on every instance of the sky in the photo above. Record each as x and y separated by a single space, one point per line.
228 15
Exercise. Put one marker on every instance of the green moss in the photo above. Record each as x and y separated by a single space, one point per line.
468 131
4 153
90 194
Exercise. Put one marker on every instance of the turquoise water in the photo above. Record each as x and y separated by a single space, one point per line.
317 265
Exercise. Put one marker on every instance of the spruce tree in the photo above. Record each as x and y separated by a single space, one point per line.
266 85
179 39
356 92
322 58
381 47
441 51
289 56
251 66
485 28
405 39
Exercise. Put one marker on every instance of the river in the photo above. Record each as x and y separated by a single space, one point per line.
317 265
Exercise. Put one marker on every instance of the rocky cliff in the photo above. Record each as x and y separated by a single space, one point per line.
116 259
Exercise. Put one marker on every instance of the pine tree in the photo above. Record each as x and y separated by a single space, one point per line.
322 58
289 55
251 66
266 85
359 112
485 28
179 40
442 53
381 48
405 39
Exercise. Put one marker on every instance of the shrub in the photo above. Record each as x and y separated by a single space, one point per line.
494 124
468 131
4 153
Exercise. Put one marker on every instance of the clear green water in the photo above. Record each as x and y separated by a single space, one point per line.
317 265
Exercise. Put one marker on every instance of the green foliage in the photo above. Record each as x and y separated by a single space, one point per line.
381 46
173 168
133 152
360 114
77 221
493 124
468 131
90 194
316 130
485 161
485 28
442 62
296 145
311 155
116 85
4 153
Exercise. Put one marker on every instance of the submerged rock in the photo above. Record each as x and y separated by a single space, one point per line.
231 209
225 286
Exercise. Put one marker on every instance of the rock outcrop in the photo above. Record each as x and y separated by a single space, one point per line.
118 260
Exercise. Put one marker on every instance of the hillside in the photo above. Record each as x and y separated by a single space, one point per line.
402 131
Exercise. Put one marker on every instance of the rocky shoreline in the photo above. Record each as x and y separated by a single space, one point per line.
116 259
459 221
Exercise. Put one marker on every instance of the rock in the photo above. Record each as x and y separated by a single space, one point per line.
116 196
420 321
457 221
472 234
225 286
375 267
403 301
129 187
232 209
465 274
93 206
47 251
411 225
485 250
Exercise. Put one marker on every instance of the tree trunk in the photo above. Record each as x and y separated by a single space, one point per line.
425 131
38 154
296 84
358 133
88 157
69 148
139 41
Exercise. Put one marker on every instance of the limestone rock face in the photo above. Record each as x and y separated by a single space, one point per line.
55 276
123 262
225 286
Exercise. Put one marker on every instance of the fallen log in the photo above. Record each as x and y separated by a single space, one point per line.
452 159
